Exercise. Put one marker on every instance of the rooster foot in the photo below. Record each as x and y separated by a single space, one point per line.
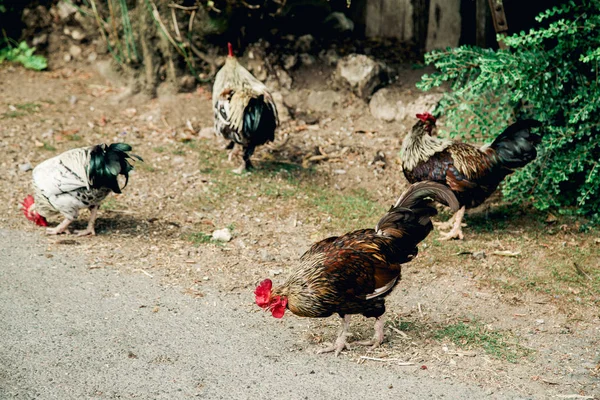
61 228
56 231
337 347
377 339
455 233
235 152
444 225
86 232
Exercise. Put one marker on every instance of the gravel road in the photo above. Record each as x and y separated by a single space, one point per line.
69 332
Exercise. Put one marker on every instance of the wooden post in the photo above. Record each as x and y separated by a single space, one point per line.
499 18
480 22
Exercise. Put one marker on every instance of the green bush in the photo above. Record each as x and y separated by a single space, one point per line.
23 54
549 73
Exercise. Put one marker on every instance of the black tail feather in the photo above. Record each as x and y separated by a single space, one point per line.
515 147
413 211
259 121
107 163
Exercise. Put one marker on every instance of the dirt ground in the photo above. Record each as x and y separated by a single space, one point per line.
515 306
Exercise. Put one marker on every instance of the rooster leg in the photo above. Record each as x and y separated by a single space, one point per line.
377 338
456 232
340 342
445 225
91 222
233 153
247 164
60 228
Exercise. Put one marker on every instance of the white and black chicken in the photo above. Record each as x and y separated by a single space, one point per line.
76 179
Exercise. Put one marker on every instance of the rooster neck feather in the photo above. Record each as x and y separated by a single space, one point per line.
419 146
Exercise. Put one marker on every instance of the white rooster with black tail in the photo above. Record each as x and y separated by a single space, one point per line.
245 112
76 179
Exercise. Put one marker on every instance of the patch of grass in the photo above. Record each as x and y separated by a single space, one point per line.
346 208
476 335
28 107
145 166
202 238
13 114
158 149
178 152
74 138
48 147
109 204
20 110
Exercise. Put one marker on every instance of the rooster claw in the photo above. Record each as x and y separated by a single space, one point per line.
86 232
453 234
337 347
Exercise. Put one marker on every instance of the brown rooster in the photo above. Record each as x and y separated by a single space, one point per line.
472 173
245 112
352 274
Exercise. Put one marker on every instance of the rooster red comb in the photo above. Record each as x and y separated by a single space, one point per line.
263 293
230 49
31 214
426 117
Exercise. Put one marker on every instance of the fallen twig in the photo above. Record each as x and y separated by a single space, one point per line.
398 361
506 253
144 271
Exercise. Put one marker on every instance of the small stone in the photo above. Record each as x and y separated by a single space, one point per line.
25 167
222 235
304 43
77 35
285 80
92 56
381 107
307 59
40 39
67 57
290 61
361 73
65 9
75 51
339 171
73 100
539 321
330 57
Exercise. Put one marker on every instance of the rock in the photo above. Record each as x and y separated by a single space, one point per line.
337 22
92 56
65 9
290 61
76 34
67 57
425 102
382 106
187 83
330 57
40 39
222 235
307 59
285 80
282 110
361 73
73 100
25 167
326 100
304 43
75 51
208 132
